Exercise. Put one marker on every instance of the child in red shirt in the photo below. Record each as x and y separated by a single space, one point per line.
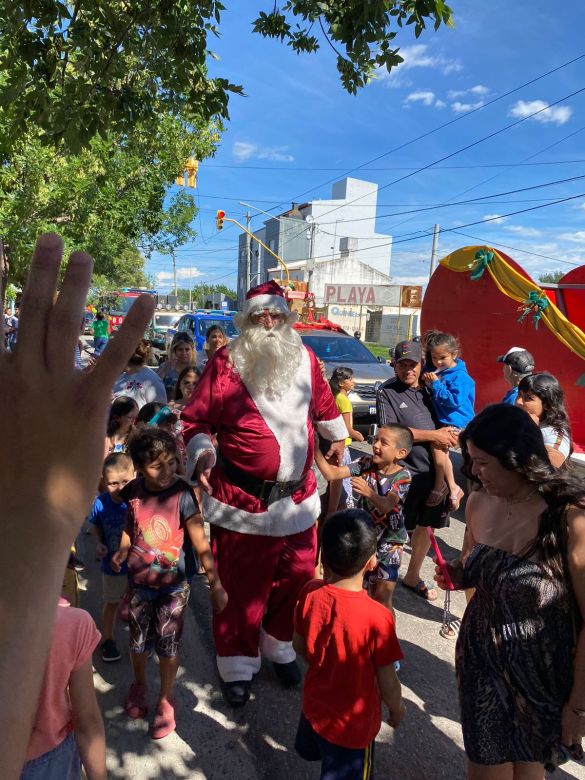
350 646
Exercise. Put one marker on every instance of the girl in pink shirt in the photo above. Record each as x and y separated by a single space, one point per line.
68 730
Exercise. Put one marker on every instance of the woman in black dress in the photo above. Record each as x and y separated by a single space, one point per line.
521 649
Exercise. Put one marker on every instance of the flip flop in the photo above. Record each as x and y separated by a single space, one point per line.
436 497
421 589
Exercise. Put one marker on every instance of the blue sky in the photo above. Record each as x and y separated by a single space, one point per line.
296 130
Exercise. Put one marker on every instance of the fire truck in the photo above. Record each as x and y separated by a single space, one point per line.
118 303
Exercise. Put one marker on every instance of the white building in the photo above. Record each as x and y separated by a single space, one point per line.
324 233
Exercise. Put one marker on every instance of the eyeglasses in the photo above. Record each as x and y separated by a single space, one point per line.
264 316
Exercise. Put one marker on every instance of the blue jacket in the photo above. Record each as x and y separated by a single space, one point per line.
454 395
511 396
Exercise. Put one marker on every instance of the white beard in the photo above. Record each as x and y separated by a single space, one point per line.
267 360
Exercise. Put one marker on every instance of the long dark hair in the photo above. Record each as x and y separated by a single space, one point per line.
340 374
121 406
507 433
187 370
546 387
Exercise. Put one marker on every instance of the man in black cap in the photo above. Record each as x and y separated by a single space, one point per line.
518 363
404 399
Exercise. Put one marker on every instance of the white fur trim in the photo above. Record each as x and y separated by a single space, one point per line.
262 302
333 430
236 668
283 518
276 650
286 416
199 444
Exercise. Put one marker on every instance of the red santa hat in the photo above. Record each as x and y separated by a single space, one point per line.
269 295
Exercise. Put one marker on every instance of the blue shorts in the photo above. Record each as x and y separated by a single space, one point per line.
61 763
337 763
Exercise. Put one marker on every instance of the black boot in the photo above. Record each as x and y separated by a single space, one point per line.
288 674
236 693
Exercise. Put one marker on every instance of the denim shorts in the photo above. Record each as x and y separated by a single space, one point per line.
337 763
61 763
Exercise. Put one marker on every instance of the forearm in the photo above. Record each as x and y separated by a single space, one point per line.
390 691
199 541
384 504
91 743
421 436
32 608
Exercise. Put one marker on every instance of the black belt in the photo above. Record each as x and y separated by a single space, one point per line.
263 489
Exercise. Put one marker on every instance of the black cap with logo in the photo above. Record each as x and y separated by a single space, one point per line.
408 350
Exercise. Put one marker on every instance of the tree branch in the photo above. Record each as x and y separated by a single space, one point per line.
328 39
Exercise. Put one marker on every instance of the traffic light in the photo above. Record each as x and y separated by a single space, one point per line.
191 167
219 217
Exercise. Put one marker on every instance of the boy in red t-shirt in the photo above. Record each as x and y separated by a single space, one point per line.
350 646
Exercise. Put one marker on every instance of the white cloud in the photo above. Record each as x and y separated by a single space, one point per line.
479 90
527 232
163 278
440 104
417 56
424 96
578 237
557 115
496 219
581 206
243 150
461 108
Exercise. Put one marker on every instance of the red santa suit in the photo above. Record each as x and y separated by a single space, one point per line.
264 549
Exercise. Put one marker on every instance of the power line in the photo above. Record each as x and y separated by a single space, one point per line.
377 170
440 127
469 201
469 224
466 147
516 249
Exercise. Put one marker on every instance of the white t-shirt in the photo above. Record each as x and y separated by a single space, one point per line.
556 441
144 386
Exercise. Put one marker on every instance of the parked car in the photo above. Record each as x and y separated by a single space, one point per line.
197 323
162 320
337 348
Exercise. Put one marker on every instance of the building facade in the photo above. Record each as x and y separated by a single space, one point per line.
314 237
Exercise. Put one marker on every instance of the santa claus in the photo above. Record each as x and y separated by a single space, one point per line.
261 397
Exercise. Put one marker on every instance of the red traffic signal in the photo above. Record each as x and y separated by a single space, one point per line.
219 217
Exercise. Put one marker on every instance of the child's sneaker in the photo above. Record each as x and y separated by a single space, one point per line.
164 720
135 705
110 651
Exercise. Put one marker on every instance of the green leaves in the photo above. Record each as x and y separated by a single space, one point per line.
76 70
359 31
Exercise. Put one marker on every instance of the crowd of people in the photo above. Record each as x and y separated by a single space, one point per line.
240 441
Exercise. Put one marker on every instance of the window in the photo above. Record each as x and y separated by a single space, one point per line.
227 326
339 349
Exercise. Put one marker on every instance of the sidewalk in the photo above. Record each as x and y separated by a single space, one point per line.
256 743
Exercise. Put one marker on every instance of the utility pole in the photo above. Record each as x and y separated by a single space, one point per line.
175 272
434 250
311 259
248 258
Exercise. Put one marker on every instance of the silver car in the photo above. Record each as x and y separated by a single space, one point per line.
369 373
